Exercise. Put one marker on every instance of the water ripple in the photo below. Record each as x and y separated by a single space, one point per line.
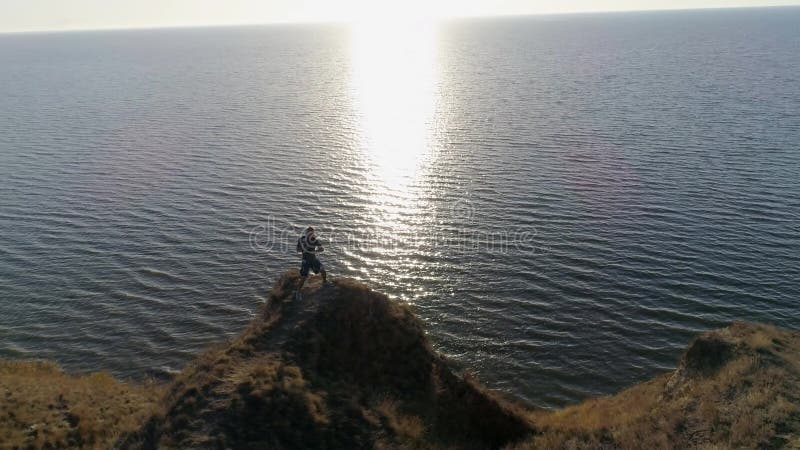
134 167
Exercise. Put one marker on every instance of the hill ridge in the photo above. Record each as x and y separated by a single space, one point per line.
347 367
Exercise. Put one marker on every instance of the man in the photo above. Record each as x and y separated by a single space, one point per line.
309 246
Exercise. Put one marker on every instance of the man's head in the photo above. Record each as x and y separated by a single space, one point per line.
310 231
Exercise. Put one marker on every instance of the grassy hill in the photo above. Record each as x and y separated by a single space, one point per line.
734 388
347 367
41 407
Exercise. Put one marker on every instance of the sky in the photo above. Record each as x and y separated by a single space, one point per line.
43 15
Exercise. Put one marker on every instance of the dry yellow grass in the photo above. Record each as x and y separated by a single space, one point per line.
409 427
349 368
41 407
735 388
345 368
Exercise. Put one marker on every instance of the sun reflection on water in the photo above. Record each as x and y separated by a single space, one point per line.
395 90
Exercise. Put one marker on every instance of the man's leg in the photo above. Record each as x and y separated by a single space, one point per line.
304 266
317 267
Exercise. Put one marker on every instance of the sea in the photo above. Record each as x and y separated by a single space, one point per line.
565 201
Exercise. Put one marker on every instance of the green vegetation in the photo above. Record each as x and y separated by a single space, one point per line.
349 368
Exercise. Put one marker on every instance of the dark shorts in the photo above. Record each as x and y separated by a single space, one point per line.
310 263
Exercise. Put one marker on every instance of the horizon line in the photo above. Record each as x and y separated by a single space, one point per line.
347 22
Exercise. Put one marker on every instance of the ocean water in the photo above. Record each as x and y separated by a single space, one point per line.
565 200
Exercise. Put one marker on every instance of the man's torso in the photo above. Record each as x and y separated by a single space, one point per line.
308 247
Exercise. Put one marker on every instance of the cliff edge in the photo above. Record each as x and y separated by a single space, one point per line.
734 388
347 367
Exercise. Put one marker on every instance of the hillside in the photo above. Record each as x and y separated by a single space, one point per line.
41 407
734 388
344 368
347 367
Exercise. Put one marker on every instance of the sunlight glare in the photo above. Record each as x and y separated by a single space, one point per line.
394 76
